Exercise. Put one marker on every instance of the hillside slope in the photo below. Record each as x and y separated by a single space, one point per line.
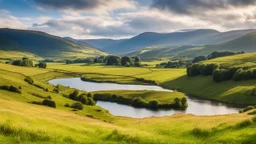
168 40
41 44
245 43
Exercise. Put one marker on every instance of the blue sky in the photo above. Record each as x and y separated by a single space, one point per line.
125 18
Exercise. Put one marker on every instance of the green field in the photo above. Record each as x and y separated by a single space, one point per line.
22 122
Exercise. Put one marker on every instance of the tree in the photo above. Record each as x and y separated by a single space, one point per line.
42 65
137 59
113 60
126 61
199 58
69 61
153 104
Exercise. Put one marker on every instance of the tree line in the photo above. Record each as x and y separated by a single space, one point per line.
139 102
216 54
221 74
26 62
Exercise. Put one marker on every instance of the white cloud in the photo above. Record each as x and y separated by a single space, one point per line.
9 21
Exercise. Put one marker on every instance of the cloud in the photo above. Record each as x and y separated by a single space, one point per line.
99 6
9 21
199 6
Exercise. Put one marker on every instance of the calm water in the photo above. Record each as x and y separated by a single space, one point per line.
196 106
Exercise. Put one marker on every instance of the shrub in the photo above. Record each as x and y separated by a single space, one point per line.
56 90
42 65
49 103
29 80
253 92
246 109
153 104
74 95
67 105
14 89
138 102
77 105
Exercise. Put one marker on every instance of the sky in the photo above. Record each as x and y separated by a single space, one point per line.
117 19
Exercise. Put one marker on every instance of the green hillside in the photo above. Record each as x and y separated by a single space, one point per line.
245 43
43 44
23 122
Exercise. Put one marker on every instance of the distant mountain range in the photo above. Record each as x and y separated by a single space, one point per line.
245 43
179 38
43 44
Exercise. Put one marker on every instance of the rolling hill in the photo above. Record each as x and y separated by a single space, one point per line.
245 43
43 44
168 40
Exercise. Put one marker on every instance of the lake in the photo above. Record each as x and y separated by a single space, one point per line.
196 106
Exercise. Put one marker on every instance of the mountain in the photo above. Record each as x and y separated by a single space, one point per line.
43 44
245 43
180 38
102 43
80 42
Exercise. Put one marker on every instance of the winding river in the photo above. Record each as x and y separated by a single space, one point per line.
196 106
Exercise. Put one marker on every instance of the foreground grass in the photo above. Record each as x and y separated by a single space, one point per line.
38 124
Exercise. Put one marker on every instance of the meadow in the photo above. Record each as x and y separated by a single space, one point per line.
23 122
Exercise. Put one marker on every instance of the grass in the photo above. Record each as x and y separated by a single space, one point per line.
18 55
22 122
161 97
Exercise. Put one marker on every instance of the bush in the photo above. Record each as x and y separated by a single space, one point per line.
74 95
153 104
29 80
247 109
77 105
11 89
42 65
138 102
49 103
67 105
253 92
